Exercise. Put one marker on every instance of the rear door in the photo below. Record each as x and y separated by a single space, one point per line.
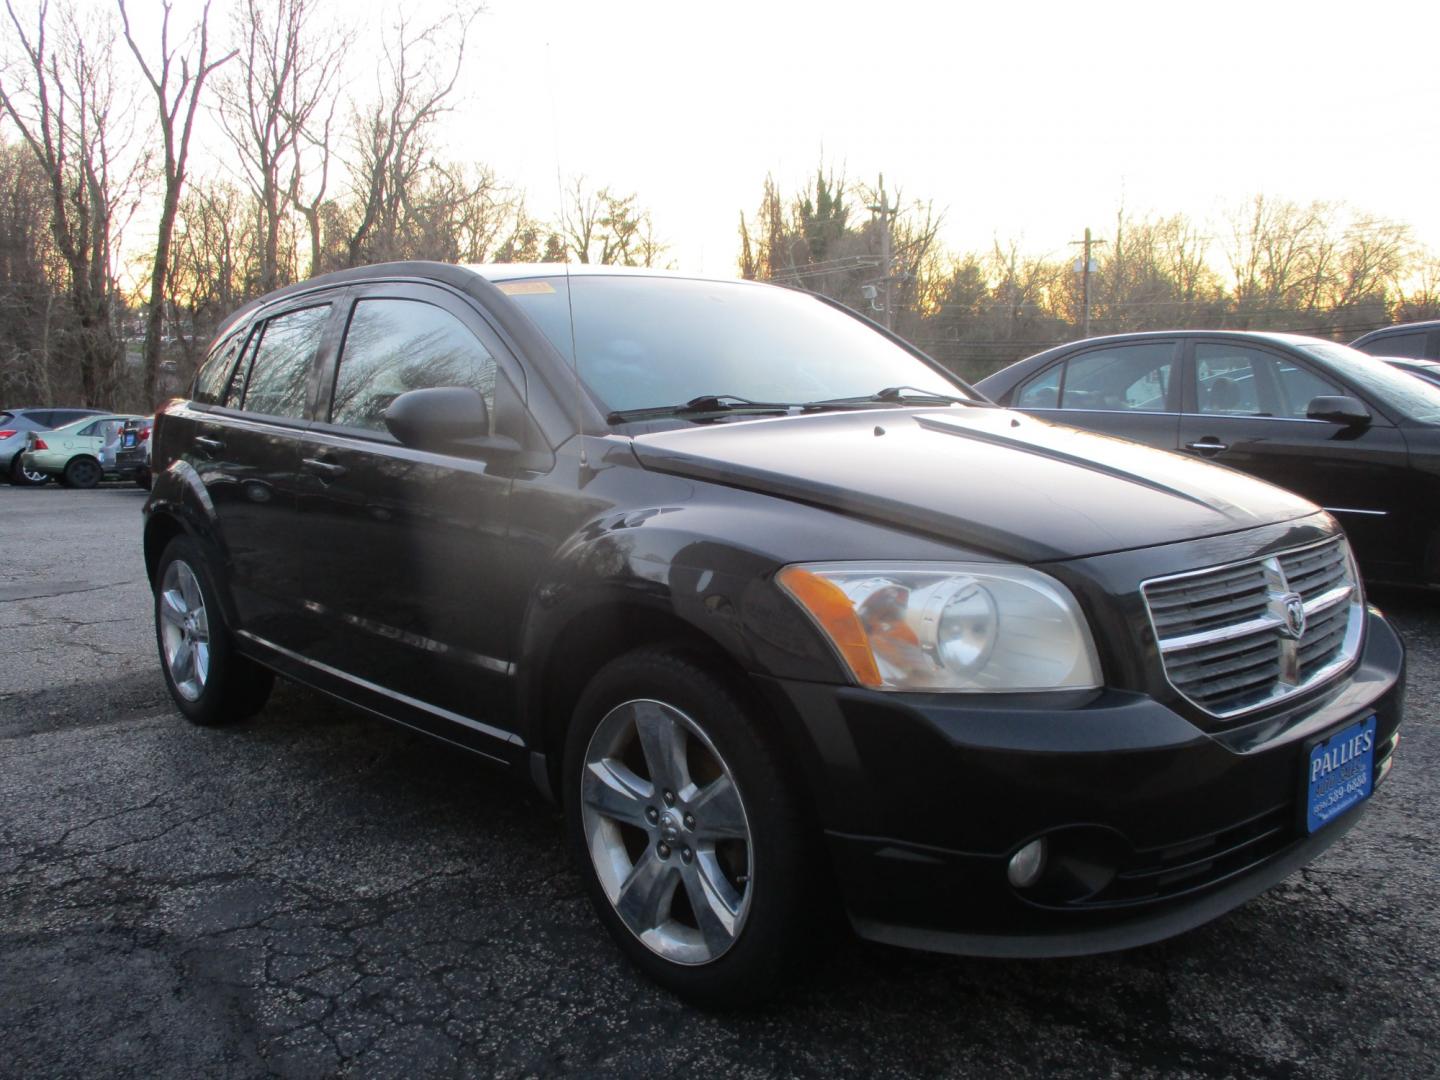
1127 389
245 445
404 553
1245 407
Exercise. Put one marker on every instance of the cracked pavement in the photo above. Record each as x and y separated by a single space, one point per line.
318 893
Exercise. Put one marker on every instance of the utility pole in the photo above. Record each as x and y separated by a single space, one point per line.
887 216
1085 270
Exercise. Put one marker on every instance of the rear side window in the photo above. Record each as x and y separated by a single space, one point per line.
280 364
1412 345
397 345
1042 392
1125 378
213 377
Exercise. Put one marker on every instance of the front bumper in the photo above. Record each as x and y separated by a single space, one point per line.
1153 825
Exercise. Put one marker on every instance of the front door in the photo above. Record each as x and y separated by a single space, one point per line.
403 557
1245 408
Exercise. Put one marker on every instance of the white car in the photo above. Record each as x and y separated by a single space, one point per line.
81 453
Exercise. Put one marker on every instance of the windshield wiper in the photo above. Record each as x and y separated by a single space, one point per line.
898 395
704 405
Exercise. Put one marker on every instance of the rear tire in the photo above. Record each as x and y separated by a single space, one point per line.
19 476
82 472
209 681
689 835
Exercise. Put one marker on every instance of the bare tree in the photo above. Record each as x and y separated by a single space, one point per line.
392 136
215 265
606 228
61 97
177 121
27 268
1278 256
1418 291
268 102
316 144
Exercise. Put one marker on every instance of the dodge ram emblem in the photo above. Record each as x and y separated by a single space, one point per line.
1294 625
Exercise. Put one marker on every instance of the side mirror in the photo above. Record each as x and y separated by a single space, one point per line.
446 419
1338 409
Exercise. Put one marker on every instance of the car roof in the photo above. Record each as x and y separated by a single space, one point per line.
998 383
99 416
1278 336
1398 328
1408 361
471 277
18 409
515 271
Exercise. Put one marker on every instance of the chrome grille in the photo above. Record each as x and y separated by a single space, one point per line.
1227 634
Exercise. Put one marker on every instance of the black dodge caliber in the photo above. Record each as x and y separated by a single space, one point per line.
786 618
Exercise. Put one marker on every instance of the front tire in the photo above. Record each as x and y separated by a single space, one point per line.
688 834
209 681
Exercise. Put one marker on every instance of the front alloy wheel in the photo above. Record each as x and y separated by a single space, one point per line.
697 851
667 832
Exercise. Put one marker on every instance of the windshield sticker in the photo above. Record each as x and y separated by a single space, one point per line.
524 288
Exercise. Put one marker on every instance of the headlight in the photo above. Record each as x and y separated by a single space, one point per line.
948 626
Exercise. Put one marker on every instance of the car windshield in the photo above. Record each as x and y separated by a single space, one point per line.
1414 397
652 342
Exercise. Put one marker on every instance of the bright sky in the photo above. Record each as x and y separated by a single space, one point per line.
1026 121
1022 121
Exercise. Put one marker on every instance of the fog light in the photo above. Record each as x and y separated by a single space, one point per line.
1027 864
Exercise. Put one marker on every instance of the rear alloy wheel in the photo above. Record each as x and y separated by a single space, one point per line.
82 472
688 833
209 681
20 476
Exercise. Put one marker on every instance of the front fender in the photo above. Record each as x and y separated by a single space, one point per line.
666 566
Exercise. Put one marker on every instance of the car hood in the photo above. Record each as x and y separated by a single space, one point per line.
992 479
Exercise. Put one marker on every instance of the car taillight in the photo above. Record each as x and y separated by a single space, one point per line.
39 444
144 434
7 433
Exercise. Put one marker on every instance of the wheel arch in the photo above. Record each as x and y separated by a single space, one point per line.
594 636
179 505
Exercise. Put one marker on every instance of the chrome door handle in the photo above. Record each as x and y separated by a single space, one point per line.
326 470
1207 446
207 443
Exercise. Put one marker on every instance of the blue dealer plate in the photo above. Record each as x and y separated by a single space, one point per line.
1339 773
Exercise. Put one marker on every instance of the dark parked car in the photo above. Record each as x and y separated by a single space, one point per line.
787 620
1417 340
15 423
1341 428
132 456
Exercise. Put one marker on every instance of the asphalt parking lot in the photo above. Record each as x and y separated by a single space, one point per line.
316 893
